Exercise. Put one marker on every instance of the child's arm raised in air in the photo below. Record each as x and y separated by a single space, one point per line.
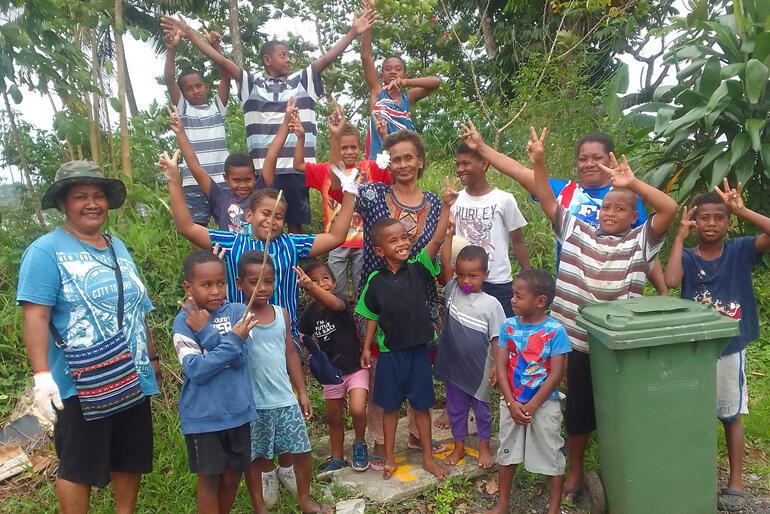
274 150
541 188
295 370
447 200
321 295
193 164
734 202
295 125
171 24
223 90
502 163
335 122
196 234
361 23
446 254
674 271
171 40
367 61
664 206
419 87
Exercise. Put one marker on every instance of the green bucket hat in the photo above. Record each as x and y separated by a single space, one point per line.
84 172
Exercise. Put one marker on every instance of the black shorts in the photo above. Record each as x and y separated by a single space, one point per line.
210 453
197 204
580 416
297 197
89 450
503 292
404 375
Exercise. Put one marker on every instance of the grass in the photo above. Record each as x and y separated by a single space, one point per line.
158 251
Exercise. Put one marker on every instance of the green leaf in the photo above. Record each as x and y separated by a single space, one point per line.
716 96
756 79
664 117
745 167
661 91
108 67
657 175
712 153
15 94
754 127
720 169
116 104
689 181
690 98
727 39
766 157
690 69
711 77
732 70
762 47
739 145
685 121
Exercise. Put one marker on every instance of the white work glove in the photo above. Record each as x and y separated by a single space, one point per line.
347 178
46 393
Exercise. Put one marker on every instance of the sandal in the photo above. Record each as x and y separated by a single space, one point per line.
731 500
576 492
376 462
437 447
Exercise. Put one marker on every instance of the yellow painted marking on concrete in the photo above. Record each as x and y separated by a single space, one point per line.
400 459
470 451
402 474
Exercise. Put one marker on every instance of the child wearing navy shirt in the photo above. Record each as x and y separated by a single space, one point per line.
718 271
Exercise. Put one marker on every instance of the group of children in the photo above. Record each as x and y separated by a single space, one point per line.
243 401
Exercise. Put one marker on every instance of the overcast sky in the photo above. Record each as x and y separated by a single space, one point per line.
145 66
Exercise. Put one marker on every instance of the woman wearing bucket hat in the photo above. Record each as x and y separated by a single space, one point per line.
88 343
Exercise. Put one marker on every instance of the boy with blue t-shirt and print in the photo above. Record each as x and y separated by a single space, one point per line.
395 300
529 362
718 272
215 404
274 369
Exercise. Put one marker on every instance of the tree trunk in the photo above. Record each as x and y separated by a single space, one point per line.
235 33
125 156
488 30
129 88
108 124
23 161
96 130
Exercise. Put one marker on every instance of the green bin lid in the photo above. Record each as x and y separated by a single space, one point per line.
654 321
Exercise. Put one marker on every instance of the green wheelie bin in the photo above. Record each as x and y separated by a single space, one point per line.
653 366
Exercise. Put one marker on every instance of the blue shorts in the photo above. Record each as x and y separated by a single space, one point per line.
404 375
297 197
198 204
278 431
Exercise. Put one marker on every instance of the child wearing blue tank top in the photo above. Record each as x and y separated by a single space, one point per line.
273 369
389 105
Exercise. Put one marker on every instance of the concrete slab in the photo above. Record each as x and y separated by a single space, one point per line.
409 479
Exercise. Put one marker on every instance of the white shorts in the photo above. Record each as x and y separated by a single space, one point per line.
732 392
537 444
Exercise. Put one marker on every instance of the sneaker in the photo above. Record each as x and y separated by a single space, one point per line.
331 466
270 489
360 456
288 479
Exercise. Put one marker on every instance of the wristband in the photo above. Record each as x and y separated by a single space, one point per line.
509 403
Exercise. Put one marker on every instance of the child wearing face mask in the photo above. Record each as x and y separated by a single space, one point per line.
464 359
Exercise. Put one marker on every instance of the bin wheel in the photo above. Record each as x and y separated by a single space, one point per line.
597 497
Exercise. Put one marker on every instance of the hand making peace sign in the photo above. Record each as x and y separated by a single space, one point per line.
620 174
196 318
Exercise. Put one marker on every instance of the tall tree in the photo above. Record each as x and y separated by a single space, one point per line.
125 155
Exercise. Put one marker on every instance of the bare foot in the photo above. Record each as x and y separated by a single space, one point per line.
486 460
435 467
457 453
442 421
389 469
313 507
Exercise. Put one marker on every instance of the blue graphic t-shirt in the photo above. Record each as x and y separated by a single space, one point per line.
726 284
78 282
530 350
584 203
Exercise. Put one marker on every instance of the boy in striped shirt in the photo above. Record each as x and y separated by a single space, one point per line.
597 265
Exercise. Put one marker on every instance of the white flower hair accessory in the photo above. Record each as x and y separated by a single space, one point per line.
383 159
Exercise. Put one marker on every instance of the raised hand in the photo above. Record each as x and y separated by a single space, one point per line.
380 125
336 120
731 197
471 136
171 24
450 191
196 318
171 39
292 116
213 38
348 178
536 147
169 166
244 325
220 253
364 21
174 120
302 279
686 224
620 174
396 85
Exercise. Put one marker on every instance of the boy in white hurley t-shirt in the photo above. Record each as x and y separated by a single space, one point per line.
487 217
